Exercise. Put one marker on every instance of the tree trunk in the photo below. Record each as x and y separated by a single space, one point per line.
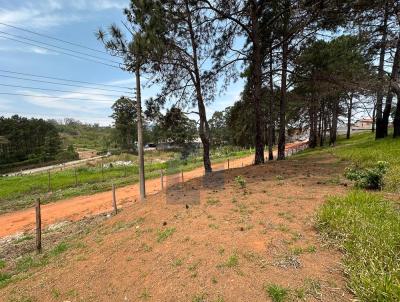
312 140
270 109
373 119
335 112
396 120
349 114
393 78
380 133
142 184
204 129
282 103
257 85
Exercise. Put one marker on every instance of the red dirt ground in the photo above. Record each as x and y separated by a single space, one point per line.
229 243
83 206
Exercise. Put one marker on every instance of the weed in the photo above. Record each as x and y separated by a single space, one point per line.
214 280
27 262
163 235
147 248
59 249
2 263
145 295
177 262
306 250
368 178
231 262
213 201
213 226
199 298
24 238
194 266
55 293
277 293
279 177
240 181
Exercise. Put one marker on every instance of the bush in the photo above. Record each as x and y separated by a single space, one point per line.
368 178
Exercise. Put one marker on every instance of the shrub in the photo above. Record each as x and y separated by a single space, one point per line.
368 178
240 181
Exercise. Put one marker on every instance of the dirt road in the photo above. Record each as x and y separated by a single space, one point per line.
83 206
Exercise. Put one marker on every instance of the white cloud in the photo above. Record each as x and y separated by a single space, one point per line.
50 13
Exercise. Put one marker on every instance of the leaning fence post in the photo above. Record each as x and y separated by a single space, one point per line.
114 200
38 227
162 179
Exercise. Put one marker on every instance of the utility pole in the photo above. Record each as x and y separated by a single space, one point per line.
140 133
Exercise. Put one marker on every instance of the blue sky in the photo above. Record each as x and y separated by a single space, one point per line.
74 21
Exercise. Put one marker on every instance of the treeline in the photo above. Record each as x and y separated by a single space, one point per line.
307 64
27 141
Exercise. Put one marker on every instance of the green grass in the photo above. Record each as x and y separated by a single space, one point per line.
363 150
19 192
164 234
277 293
368 230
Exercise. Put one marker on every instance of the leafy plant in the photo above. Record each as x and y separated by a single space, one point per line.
368 178
277 293
163 235
240 181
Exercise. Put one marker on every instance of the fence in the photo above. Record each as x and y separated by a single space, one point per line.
168 179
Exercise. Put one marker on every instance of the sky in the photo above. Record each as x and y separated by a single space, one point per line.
74 21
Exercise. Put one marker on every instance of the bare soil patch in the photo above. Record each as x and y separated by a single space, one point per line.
207 240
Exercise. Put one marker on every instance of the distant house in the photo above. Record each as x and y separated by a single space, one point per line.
363 124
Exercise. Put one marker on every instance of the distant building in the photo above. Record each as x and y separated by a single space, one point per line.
363 124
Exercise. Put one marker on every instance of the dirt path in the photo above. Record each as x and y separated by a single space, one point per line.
79 207
213 241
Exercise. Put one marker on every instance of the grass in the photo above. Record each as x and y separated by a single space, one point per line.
164 234
367 228
19 192
277 293
363 150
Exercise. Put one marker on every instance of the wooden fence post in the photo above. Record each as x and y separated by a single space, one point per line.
38 227
124 170
182 175
114 200
162 179
228 163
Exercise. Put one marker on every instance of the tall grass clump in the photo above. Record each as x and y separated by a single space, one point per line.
367 228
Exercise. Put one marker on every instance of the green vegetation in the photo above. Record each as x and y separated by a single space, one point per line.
364 152
240 181
19 192
164 234
368 178
277 293
368 230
